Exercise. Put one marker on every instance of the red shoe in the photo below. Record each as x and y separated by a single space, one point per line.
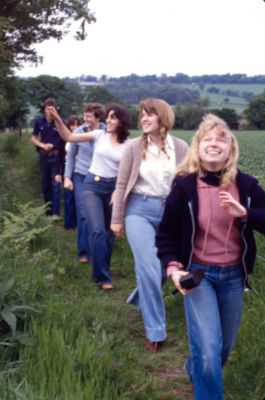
153 347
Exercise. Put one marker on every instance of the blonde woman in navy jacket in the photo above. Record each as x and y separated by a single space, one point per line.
208 224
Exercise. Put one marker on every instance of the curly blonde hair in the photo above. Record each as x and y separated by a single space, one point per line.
166 118
192 162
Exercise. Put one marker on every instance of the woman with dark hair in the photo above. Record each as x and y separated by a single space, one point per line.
99 184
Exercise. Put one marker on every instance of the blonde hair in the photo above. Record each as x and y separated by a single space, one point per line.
166 118
192 162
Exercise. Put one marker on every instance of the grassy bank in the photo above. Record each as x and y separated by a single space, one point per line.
78 343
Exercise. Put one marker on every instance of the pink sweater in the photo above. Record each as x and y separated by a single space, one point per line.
218 240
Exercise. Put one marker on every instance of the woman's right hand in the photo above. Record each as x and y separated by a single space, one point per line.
68 183
53 113
117 229
175 276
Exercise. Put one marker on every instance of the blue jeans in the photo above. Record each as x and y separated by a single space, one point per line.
142 218
213 314
69 209
83 234
51 190
97 196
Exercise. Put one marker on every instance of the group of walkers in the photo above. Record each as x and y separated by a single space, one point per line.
185 210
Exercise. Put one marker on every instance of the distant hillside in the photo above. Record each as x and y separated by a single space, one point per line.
232 91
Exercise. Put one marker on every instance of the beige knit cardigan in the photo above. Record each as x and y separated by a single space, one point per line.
129 171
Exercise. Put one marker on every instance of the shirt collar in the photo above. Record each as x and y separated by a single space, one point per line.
169 142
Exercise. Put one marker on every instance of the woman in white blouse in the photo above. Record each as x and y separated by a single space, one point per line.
99 184
145 175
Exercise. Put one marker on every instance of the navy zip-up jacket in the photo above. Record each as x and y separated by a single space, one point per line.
177 229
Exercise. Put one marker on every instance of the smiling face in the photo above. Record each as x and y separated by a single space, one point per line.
112 122
149 123
214 149
90 120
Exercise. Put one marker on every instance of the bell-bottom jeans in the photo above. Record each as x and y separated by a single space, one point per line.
143 215
83 233
97 196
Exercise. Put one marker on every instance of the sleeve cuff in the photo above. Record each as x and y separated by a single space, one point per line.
173 266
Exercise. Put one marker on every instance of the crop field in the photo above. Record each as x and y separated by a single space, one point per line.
251 147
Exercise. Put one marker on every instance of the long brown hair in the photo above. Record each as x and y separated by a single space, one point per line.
166 118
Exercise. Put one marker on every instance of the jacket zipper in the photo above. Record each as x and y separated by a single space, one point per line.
193 232
245 250
243 258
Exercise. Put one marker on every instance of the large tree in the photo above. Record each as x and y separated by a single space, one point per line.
24 23
68 94
255 112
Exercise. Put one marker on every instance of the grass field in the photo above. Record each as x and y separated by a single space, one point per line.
83 344
225 101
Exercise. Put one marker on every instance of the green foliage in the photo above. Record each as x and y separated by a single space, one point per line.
68 94
22 25
229 115
12 313
21 231
99 94
13 103
133 92
10 145
188 116
28 23
256 111
91 363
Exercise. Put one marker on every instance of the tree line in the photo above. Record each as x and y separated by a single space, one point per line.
178 78
24 98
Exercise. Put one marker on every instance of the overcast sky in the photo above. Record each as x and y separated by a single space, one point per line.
145 37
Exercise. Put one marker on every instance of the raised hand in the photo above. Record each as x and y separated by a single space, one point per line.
231 205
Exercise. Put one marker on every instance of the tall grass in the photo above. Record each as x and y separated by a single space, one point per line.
86 344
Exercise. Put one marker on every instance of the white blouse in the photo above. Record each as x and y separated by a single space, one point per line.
157 170
106 157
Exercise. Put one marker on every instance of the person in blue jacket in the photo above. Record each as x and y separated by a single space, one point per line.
78 160
49 144
68 194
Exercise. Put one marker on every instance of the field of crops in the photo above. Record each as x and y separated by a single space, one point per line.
252 149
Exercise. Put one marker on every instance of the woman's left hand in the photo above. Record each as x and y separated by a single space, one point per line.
117 229
231 205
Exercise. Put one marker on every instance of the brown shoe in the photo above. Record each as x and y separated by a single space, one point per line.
153 347
83 260
106 286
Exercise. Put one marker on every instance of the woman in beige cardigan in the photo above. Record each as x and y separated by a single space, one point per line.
145 175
